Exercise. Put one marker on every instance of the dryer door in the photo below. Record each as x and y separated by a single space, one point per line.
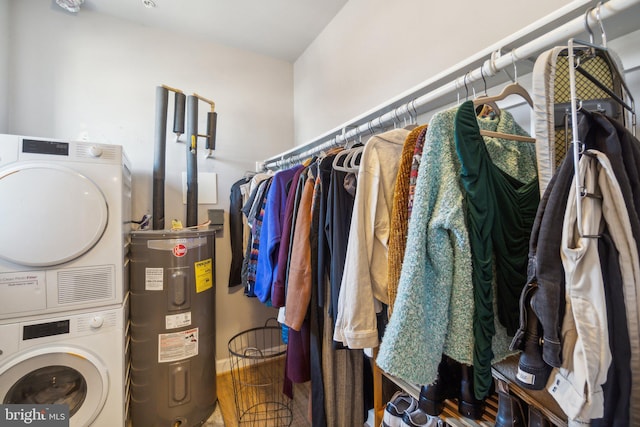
57 375
50 214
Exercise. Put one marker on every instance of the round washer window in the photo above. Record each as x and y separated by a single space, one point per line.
50 385
58 374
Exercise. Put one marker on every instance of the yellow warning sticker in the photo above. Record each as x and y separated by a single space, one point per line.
204 275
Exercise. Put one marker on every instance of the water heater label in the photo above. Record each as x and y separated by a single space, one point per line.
175 321
204 275
153 278
177 345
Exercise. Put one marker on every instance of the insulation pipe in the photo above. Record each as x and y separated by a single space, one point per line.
489 67
212 123
160 137
178 114
192 161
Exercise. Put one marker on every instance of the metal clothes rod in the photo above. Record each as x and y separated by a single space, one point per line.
390 112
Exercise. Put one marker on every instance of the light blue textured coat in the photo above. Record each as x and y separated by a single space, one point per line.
433 311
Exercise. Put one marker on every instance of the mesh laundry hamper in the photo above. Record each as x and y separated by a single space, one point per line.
257 370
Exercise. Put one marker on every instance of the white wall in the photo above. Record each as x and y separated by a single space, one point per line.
374 50
4 62
94 75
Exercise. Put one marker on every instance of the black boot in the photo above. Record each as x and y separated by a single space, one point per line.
536 419
445 386
533 371
468 405
510 411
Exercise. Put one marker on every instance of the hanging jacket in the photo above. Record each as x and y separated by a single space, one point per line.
340 201
545 287
299 285
400 213
272 223
277 290
577 384
236 231
364 281
433 311
500 212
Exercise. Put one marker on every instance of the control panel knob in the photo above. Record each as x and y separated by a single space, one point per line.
96 322
95 151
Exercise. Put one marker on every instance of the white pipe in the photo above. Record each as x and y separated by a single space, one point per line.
490 67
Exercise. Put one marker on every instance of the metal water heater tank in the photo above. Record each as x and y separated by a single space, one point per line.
173 372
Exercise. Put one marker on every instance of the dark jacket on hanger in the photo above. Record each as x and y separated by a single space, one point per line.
337 223
545 289
235 232
617 389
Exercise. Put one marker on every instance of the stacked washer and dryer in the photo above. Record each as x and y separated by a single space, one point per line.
64 242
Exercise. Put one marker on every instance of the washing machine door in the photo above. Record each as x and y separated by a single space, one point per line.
50 214
57 375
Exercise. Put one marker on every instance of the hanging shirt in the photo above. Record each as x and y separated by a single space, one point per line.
277 290
364 282
337 223
236 231
500 214
272 221
257 187
433 312
400 214
256 230
415 166
299 287
324 256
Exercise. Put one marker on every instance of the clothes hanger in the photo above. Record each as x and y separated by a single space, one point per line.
592 51
353 159
338 163
487 104
511 89
579 148
413 118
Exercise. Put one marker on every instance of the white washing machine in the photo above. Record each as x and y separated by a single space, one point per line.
79 360
63 237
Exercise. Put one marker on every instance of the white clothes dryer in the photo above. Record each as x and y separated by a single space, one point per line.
63 237
79 360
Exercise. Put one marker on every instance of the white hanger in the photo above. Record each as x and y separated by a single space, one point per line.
511 89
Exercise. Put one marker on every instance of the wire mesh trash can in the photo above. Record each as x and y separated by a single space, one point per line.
257 360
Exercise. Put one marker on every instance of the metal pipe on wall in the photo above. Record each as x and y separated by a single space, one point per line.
389 111
160 138
192 161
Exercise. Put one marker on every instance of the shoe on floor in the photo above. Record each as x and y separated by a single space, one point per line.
399 404
418 418
445 386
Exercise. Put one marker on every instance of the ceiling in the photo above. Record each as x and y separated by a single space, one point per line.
278 28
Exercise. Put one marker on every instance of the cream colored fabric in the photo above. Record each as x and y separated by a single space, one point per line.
364 281
571 386
543 79
577 385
